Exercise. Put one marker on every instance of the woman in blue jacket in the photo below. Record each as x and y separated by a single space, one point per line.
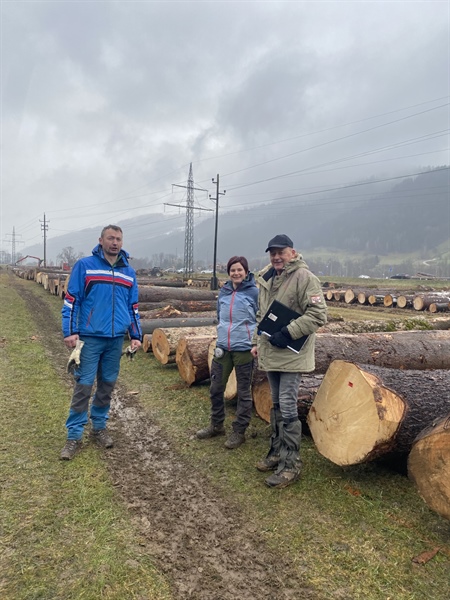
236 311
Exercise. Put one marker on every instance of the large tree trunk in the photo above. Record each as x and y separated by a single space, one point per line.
152 324
363 412
262 398
171 313
398 350
181 305
165 341
161 282
192 358
156 294
429 466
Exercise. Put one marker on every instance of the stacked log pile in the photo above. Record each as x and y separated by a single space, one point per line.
427 300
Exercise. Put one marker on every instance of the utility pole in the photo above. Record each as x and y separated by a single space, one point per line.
189 231
214 281
44 228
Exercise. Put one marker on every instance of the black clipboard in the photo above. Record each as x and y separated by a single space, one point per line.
279 315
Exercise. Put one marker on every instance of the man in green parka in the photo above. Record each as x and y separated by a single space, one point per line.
288 280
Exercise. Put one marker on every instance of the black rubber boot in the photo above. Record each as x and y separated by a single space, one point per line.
211 431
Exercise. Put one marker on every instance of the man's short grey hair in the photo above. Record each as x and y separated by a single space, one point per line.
115 227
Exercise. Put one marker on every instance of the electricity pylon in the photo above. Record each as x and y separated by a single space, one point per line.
189 231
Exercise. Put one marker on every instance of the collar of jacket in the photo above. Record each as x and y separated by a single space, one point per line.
122 259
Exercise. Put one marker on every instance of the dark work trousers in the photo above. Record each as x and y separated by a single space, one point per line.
286 426
221 369
100 359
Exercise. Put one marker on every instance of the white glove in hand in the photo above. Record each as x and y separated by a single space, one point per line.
129 352
74 358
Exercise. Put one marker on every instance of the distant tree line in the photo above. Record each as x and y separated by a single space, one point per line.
370 265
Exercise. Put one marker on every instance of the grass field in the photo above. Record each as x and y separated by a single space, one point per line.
351 533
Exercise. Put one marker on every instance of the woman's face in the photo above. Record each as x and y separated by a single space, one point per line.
237 274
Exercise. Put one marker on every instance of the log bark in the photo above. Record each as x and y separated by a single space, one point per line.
421 350
192 358
439 307
165 341
423 302
231 388
161 282
149 326
361 413
429 466
262 398
155 294
181 305
171 313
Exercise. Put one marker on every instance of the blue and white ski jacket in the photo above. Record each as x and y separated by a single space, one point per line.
102 300
236 312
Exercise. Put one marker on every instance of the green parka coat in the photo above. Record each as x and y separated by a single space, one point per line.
300 290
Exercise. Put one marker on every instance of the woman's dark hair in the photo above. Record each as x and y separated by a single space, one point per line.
237 259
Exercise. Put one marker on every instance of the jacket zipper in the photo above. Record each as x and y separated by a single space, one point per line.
233 295
113 300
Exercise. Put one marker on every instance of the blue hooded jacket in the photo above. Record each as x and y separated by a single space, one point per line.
101 299
236 312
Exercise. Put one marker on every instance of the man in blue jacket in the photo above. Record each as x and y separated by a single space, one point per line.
100 307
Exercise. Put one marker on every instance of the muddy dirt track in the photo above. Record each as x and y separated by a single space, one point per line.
199 540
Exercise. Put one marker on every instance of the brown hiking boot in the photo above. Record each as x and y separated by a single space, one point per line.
210 431
282 479
70 449
102 438
270 463
235 440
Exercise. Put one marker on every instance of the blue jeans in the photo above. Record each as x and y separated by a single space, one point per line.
99 360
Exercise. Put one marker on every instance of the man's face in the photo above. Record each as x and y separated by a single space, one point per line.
111 242
279 257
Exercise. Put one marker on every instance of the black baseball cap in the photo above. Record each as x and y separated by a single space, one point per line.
280 241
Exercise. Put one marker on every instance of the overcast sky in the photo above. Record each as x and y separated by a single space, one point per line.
105 104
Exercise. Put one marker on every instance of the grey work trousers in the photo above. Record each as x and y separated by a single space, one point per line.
286 426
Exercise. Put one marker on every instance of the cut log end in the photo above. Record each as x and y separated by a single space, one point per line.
353 418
